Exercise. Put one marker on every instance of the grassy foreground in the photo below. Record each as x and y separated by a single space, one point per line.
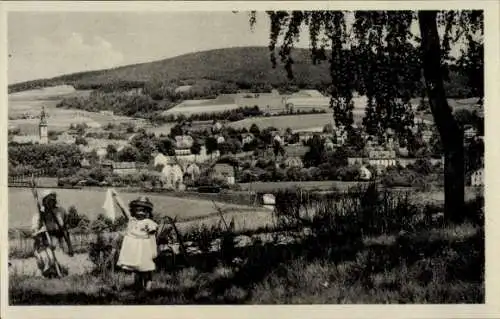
447 267
367 247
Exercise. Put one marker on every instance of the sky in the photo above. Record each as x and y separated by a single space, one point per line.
47 44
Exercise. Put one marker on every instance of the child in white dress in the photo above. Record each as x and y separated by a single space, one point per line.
139 248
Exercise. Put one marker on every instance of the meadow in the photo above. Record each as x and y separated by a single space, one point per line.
47 93
188 110
295 122
90 201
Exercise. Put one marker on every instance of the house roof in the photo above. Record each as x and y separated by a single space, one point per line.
183 141
225 169
479 171
247 135
124 165
381 154
307 93
293 160
296 150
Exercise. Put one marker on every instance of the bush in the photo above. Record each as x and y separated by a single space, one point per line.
76 221
385 212
104 224
48 158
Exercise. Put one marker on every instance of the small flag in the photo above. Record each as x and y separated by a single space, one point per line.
109 206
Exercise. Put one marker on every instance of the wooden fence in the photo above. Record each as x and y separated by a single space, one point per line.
24 180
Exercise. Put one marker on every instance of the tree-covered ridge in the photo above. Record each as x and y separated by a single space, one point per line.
242 68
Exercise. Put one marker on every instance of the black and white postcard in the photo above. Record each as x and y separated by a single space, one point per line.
218 153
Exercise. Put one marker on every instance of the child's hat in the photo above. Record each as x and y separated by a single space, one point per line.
142 201
47 193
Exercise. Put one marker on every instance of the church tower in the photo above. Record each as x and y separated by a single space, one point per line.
42 128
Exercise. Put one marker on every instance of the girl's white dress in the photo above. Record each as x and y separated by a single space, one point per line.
139 246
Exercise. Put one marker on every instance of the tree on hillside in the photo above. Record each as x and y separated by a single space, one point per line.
166 146
196 148
386 62
146 144
79 140
278 149
316 152
111 152
128 154
254 129
211 144
328 128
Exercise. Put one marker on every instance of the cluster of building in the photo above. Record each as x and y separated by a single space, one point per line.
184 165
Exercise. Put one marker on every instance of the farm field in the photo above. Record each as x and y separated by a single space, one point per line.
297 122
194 109
89 202
302 121
317 121
31 102
222 103
54 92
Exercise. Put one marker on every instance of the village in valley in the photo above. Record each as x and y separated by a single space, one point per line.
220 153
255 186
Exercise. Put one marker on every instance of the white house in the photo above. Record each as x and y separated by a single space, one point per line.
66 138
217 127
268 199
340 135
477 178
382 158
220 139
470 131
193 171
224 172
247 138
293 162
364 173
160 159
351 161
173 176
278 139
101 152
183 141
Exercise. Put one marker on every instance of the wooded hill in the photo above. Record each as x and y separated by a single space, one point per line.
241 67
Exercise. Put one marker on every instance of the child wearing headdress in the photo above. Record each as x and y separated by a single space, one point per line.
49 232
139 249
